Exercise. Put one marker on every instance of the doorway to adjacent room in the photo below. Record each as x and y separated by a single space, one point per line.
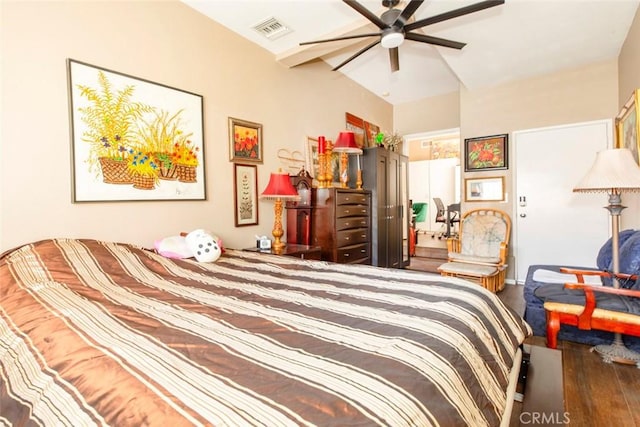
434 171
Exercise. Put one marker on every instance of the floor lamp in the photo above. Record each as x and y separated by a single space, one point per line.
614 172
279 188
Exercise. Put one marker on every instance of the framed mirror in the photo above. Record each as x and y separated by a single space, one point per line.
484 189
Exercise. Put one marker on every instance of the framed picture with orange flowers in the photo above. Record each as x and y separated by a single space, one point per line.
245 141
486 153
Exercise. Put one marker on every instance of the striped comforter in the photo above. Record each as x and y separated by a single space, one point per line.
101 333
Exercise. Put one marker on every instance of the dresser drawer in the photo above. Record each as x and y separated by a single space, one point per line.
352 237
355 253
352 222
352 210
352 198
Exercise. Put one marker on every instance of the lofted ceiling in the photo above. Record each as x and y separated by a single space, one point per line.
512 41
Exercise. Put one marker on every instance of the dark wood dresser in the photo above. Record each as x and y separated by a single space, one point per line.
341 220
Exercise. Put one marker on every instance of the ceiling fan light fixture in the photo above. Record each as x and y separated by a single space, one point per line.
392 39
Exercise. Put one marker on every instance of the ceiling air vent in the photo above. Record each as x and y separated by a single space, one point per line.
272 28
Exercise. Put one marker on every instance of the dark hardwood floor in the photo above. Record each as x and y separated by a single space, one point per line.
595 393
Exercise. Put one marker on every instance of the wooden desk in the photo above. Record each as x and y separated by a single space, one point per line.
298 251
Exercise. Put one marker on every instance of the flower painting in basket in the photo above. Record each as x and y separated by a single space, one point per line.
245 141
486 153
133 139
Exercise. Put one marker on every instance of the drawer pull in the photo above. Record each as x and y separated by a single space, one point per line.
363 236
364 211
362 251
347 238
346 255
347 211
347 224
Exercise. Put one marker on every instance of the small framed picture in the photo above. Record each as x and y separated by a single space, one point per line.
486 153
484 189
245 141
628 126
356 125
245 190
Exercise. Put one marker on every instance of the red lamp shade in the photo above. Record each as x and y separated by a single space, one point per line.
280 187
346 143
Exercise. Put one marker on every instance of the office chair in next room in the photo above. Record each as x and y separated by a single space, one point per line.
448 217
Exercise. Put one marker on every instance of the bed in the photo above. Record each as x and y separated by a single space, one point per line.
106 333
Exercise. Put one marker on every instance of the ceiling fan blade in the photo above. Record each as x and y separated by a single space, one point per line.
354 56
356 36
434 40
408 12
393 57
453 14
366 13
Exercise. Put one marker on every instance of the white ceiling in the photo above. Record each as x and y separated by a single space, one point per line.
519 39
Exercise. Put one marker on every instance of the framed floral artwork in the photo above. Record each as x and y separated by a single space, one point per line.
133 139
486 153
628 126
245 141
245 190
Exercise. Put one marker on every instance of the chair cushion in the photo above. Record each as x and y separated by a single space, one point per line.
455 256
468 269
482 235
603 261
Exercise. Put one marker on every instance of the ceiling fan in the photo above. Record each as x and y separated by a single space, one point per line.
395 27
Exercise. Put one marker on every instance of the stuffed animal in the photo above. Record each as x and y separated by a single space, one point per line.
201 244
173 247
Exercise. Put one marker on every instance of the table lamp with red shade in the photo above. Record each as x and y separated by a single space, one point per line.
279 189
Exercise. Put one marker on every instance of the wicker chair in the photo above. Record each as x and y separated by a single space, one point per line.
479 253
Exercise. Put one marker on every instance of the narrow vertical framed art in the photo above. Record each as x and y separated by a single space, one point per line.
133 139
245 193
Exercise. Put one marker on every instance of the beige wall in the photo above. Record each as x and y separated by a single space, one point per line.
169 43
629 80
578 95
629 61
429 114
165 42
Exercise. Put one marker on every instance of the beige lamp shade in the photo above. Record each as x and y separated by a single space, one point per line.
613 171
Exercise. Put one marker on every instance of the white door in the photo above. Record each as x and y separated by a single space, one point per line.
554 225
